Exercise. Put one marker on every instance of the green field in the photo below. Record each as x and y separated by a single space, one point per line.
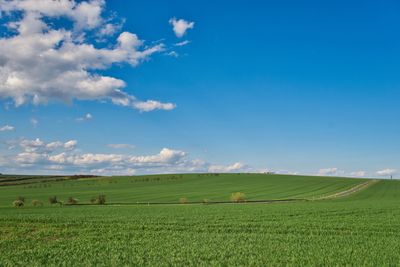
359 229
170 188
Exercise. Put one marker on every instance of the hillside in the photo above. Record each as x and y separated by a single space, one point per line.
170 188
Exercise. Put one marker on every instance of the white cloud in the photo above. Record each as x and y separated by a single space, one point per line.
7 128
64 157
121 146
341 173
182 43
236 167
358 174
172 54
40 62
180 26
87 117
70 144
386 172
34 122
40 146
151 105
328 171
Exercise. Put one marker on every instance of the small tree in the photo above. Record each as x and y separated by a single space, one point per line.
72 201
183 200
53 200
99 200
18 203
37 203
238 197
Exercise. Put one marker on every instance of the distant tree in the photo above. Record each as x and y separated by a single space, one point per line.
54 200
72 201
238 197
183 200
99 200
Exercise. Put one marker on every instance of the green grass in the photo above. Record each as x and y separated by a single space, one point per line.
170 188
362 229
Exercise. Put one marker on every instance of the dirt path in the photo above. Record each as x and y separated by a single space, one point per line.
348 192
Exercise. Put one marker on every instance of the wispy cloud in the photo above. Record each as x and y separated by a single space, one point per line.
386 172
121 146
172 54
358 174
328 171
87 117
183 43
34 122
7 128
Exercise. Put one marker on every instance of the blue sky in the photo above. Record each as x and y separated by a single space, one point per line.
262 85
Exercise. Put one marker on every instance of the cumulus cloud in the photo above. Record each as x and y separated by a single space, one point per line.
328 171
7 128
40 61
65 157
236 167
180 26
87 117
386 172
40 146
358 174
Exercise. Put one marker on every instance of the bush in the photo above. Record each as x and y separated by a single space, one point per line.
37 203
93 200
18 204
206 201
99 200
238 197
21 198
72 201
183 200
54 200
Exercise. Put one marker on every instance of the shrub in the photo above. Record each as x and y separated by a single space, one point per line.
21 198
72 201
99 200
37 203
206 201
54 200
183 200
238 197
18 203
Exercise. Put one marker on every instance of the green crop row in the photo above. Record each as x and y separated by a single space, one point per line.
360 230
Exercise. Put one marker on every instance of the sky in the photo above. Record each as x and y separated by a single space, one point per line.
135 87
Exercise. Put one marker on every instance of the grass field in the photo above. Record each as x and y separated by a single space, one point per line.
170 188
359 229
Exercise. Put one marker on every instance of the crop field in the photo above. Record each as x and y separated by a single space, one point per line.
361 228
170 188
